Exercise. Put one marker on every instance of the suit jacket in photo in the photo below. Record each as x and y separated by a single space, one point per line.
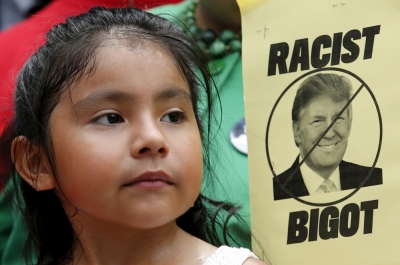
351 176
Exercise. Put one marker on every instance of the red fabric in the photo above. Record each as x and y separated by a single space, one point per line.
20 41
146 4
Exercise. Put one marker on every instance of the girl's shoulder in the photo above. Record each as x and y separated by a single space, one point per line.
225 255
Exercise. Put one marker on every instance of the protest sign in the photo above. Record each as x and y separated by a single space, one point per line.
299 133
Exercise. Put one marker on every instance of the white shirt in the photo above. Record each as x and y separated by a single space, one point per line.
313 180
228 256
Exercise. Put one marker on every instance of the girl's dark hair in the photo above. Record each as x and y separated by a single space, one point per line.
68 55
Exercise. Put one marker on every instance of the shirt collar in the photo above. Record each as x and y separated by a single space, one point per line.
313 180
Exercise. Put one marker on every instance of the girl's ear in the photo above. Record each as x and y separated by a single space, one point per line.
32 164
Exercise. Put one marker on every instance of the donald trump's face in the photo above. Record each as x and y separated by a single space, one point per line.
315 118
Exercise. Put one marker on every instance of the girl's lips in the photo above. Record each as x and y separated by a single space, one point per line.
151 179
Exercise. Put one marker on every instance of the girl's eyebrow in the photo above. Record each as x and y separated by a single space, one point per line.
174 92
102 95
121 96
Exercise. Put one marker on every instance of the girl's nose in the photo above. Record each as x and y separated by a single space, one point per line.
150 141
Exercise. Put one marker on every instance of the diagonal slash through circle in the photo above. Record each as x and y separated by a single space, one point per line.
283 185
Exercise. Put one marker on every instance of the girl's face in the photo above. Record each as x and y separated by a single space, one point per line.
127 146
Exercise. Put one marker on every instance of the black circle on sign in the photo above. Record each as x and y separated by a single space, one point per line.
377 153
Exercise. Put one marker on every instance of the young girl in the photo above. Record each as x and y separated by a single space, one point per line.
108 145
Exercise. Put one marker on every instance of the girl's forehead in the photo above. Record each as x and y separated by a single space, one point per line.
117 43
148 63
145 50
135 56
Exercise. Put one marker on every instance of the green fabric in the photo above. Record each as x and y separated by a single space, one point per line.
230 166
12 232
6 218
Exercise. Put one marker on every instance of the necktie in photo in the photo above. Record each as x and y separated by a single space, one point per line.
326 187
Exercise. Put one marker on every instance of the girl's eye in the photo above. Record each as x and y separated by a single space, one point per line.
174 117
109 119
